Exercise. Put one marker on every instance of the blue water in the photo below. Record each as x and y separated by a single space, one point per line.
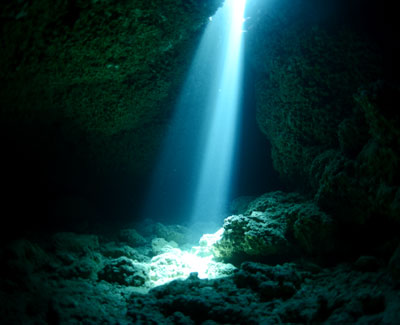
194 175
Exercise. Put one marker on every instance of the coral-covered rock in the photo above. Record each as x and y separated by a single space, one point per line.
276 224
131 237
257 235
124 271
114 250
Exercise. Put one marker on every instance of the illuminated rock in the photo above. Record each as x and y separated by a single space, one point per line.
174 263
257 234
115 250
276 224
160 245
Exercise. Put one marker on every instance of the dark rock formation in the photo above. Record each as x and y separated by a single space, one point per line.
125 271
131 237
394 264
253 296
256 293
328 107
307 90
366 181
87 89
80 278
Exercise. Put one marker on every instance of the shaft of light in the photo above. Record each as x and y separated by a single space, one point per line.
192 179
217 161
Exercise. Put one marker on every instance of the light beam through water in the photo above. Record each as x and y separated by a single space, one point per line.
193 176
217 162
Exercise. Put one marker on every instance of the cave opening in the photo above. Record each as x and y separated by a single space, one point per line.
101 99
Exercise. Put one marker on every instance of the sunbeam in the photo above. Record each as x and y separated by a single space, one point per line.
193 176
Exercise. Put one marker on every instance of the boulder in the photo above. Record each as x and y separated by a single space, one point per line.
125 272
256 235
276 224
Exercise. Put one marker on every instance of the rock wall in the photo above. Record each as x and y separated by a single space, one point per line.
88 86
326 104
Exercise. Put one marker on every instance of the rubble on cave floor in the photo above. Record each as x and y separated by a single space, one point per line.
137 276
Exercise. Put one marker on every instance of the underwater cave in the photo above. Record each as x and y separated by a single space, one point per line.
199 162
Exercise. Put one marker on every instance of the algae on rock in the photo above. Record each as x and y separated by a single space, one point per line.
276 225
